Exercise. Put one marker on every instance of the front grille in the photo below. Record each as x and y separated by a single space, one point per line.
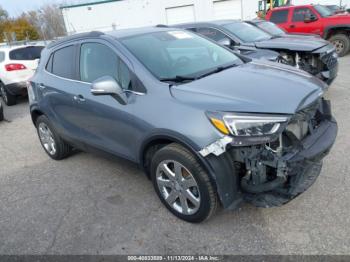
330 60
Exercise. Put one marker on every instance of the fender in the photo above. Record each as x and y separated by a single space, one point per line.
221 169
334 27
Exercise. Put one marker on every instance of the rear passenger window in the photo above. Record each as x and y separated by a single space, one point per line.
279 16
26 53
63 62
97 60
299 14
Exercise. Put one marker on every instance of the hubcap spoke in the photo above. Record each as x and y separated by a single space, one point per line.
172 197
189 182
194 200
164 183
178 171
184 204
167 171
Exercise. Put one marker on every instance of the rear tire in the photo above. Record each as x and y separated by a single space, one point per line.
341 43
187 192
8 98
52 143
1 112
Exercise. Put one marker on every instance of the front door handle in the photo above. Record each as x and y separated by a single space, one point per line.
292 26
79 98
42 86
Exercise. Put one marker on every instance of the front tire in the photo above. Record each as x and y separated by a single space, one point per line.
52 143
8 98
182 184
341 43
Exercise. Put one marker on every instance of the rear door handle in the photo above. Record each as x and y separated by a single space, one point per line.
79 98
42 86
292 26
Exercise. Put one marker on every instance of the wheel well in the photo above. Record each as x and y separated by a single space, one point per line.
150 149
35 114
338 30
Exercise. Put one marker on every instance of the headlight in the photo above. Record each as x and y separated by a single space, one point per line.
243 125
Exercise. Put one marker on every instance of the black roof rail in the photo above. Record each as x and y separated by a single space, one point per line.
75 36
162 26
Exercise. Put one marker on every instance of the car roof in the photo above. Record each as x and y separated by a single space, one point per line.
138 31
214 22
117 34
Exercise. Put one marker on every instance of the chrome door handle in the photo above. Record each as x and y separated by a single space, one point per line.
42 86
79 98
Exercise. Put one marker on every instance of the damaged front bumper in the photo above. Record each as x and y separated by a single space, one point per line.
272 174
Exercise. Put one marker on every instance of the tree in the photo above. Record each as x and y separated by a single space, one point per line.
48 20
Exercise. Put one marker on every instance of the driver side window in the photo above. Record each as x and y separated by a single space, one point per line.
97 60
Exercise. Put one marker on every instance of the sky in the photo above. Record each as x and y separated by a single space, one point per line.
16 7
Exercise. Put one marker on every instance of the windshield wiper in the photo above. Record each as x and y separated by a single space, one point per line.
217 70
178 79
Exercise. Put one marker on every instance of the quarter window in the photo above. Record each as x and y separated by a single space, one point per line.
299 14
279 16
97 60
63 62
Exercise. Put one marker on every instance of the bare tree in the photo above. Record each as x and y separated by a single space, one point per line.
48 20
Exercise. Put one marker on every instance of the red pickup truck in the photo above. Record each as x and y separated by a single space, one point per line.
314 19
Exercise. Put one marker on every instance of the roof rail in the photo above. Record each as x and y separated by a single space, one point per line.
162 26
76 36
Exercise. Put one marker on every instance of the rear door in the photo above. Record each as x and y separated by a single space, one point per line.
59 84
298 24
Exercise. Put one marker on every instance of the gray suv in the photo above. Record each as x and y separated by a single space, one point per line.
207 126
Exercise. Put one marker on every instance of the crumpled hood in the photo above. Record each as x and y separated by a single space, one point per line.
292 43
256 87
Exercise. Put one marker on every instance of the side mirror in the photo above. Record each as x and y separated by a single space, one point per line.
309 18
107 85
225 42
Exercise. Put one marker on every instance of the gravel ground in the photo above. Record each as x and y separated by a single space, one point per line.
90 205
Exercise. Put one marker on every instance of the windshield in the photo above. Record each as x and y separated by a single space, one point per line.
171 54
246 32
271 28
323 11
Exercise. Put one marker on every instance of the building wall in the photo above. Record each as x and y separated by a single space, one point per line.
137 13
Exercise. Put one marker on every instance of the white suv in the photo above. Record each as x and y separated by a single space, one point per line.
17 66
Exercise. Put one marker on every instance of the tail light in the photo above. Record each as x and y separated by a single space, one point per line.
14 67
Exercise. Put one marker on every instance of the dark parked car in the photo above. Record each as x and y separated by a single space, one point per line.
205 125
315 57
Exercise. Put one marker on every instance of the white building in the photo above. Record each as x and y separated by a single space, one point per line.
117 14
105 15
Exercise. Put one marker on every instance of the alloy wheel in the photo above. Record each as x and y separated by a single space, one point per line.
339 45
178 187
47 139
